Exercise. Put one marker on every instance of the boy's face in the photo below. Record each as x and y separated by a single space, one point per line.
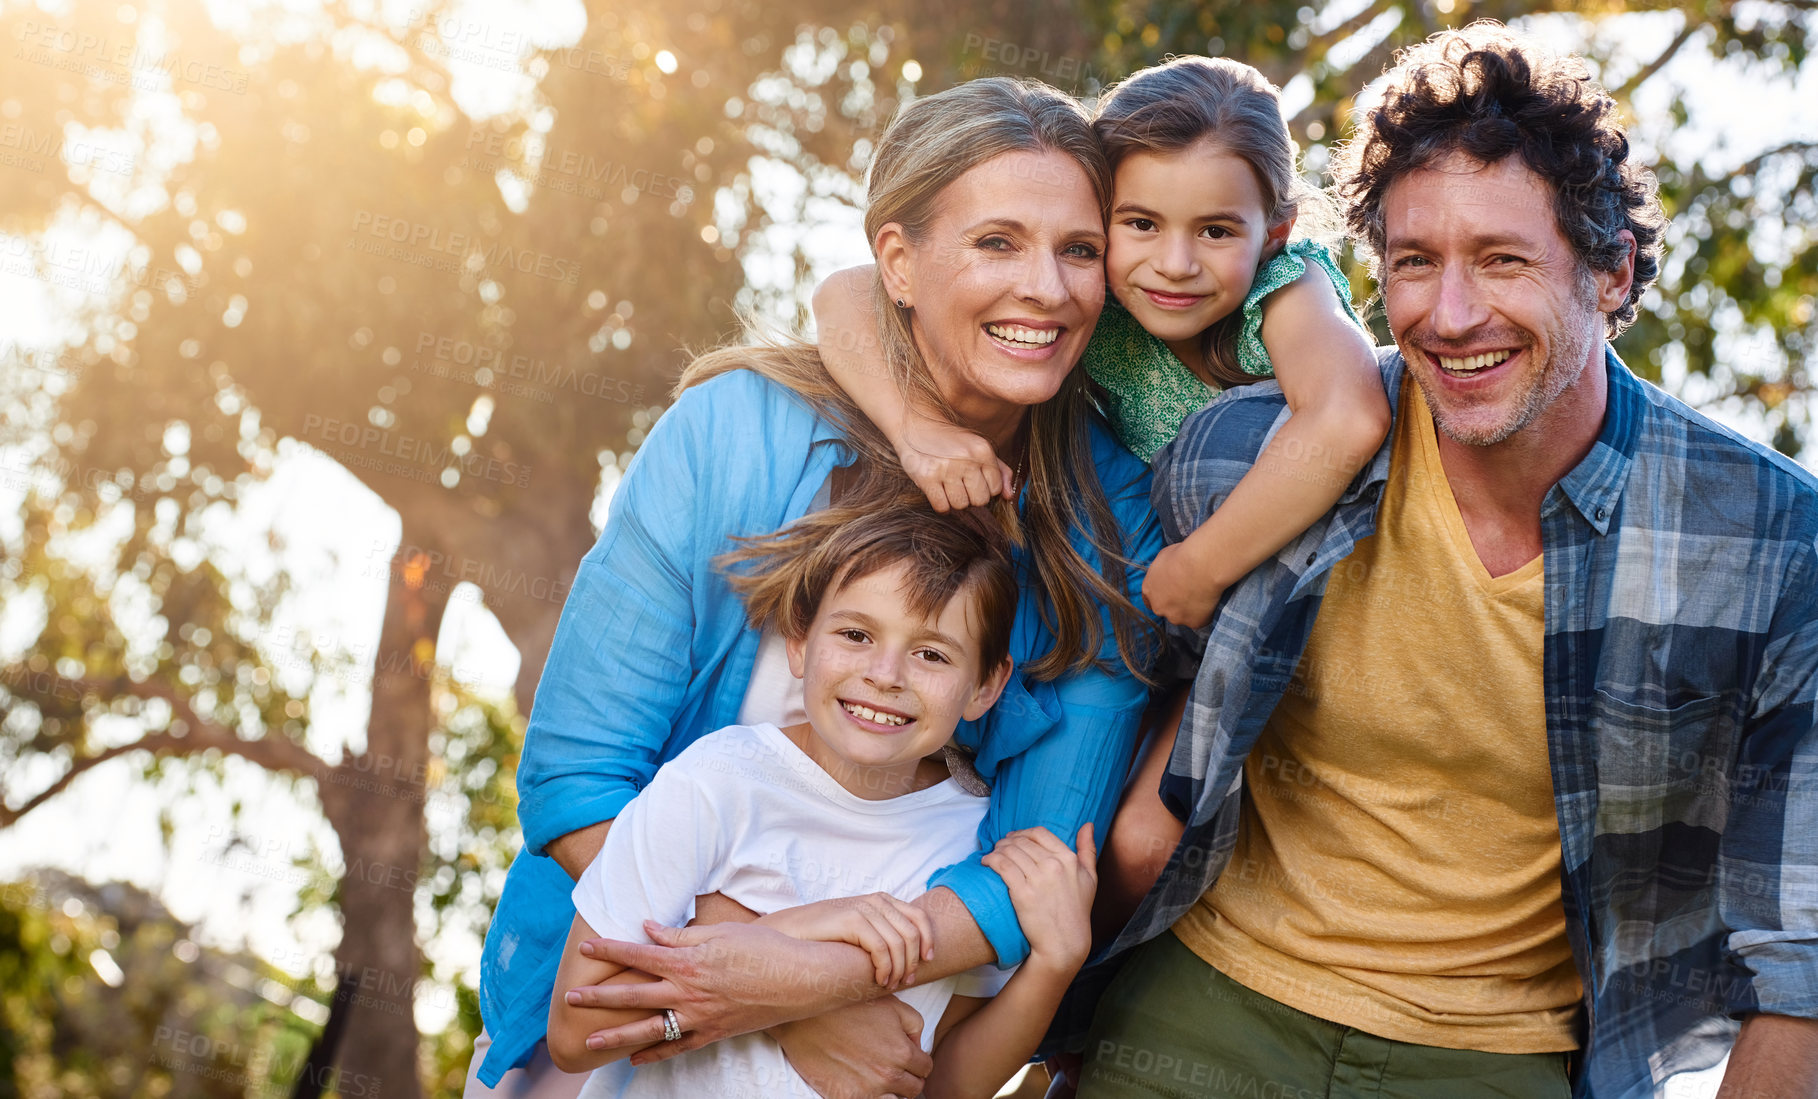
884 686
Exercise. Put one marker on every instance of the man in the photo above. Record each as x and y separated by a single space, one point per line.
1503 780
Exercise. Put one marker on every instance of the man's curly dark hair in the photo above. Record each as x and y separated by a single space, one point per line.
1485 92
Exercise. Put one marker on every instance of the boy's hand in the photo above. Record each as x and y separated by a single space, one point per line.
1179 588
1052 889
897 935
956 468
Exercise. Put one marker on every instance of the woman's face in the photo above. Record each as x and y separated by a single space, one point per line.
1006 285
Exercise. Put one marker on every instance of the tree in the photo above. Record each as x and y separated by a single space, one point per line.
103 993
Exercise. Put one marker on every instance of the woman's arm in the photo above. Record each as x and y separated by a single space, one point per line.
619 666
954 467
1340 416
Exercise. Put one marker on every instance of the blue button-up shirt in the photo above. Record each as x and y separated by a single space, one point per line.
652 652
1681 669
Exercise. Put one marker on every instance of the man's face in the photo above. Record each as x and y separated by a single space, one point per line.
1495 315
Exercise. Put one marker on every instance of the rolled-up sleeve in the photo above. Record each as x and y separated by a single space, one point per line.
1768 863
1057 752
620 661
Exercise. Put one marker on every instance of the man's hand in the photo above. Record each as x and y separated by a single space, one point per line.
859 1052
720 980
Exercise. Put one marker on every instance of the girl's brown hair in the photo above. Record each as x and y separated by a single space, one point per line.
786 575
1229 105
931 143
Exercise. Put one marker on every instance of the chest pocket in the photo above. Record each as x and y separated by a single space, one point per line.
1663 765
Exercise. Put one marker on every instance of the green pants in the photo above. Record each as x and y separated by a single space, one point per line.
1171 1025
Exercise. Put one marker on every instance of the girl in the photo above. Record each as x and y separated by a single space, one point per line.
1205 198
1210 292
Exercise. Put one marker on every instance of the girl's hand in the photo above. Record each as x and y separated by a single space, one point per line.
897 935
956 468
1052 889
1179 589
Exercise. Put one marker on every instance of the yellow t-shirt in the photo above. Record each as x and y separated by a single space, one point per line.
1397 861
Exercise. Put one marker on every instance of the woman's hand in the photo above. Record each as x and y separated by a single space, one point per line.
721 979
1052 889
1178 587
956 468
896 934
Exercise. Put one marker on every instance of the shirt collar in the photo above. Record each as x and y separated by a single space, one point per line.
1593 486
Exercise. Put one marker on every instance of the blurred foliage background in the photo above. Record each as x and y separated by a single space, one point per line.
326 331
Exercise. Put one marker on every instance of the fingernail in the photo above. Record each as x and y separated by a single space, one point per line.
587 948
596 1043
574 999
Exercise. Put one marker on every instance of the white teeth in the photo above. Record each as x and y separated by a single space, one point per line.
868 714
1028 337
1473 364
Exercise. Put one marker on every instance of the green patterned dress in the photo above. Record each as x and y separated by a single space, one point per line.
1152 391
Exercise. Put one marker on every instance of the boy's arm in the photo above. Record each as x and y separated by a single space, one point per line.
953 466
983 1044
1327 370
570 1024
987 1041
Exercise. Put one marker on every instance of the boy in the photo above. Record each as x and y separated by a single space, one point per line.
898 624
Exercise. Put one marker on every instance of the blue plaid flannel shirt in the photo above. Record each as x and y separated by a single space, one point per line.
1681 665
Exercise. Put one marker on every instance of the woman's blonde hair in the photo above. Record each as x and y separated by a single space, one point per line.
932 143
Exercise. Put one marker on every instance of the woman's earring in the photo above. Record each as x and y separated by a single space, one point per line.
901 303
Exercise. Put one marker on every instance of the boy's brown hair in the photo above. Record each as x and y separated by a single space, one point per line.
783 576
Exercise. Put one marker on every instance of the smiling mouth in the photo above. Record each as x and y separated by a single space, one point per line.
1472 365
1019 336
1173 301
878 717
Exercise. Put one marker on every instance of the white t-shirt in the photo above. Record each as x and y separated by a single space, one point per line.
774 695
746 813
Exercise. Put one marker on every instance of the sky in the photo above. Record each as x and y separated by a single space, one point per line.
105 826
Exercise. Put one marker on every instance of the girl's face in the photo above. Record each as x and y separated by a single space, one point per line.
1188 232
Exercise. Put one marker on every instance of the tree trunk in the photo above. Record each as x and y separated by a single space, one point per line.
375 803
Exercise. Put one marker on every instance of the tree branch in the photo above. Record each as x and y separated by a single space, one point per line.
274 753
1647 72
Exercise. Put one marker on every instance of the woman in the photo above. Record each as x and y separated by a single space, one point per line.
986 216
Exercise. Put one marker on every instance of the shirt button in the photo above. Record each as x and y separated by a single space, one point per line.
1311 556
1602 514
